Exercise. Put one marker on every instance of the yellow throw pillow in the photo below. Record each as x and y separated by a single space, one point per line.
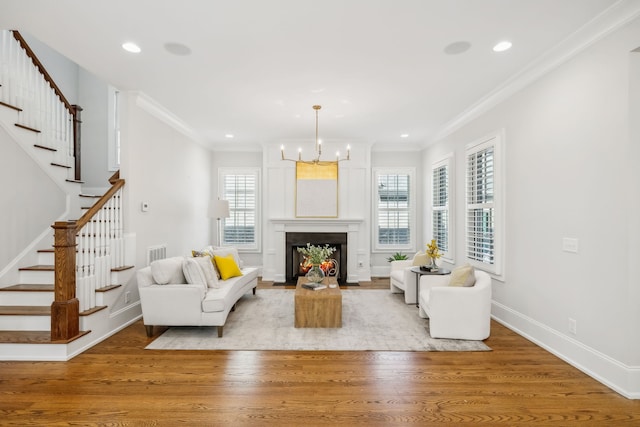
463 276
227 267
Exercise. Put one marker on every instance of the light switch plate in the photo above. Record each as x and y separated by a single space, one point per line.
570 245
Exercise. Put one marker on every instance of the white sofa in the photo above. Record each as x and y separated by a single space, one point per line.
456 312
179 303
402 279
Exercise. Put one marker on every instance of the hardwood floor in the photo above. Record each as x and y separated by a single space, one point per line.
119 383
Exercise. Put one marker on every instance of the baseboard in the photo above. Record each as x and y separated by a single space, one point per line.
614 374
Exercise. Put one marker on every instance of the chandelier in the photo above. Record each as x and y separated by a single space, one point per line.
318 151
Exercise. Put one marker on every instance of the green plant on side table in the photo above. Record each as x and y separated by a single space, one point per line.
398 256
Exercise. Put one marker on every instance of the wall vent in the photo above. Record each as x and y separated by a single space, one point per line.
156 252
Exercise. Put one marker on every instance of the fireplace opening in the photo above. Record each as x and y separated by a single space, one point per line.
295 265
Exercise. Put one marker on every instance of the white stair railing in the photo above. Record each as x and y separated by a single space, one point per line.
100 248
28 87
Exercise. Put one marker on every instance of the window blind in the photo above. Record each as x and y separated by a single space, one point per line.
440 207
240 228
480 205
393 210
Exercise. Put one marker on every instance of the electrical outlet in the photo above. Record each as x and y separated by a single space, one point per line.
127 297
573 325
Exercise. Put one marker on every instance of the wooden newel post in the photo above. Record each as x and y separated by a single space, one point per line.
65 310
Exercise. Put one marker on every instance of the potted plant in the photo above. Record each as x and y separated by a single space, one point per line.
398 256
316 255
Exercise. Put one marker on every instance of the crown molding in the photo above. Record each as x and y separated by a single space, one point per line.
158 111
611 19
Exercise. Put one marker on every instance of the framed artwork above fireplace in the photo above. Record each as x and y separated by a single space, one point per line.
316 189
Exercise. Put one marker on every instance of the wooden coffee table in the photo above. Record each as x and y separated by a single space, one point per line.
318 309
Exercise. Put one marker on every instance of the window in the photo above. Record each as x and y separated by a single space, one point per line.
240 188
441 206
394 225
483 203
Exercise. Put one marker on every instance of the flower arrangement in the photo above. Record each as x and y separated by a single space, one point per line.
432 250
316 254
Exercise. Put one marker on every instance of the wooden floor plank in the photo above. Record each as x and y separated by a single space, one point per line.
117 382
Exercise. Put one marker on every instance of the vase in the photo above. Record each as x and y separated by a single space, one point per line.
433 265
315 274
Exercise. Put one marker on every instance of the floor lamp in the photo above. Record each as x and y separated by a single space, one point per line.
219 209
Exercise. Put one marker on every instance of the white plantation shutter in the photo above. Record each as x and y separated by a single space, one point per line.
241 190
394 209
440 206
482 222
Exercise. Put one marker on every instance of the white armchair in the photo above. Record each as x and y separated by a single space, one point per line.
456 312
401 279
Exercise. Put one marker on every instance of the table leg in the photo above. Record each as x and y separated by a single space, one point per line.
417 290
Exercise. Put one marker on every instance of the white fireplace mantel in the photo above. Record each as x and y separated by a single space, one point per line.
351 226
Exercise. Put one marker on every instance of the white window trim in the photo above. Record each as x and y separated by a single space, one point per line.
114 101
448 161
411 246
245 171
496 140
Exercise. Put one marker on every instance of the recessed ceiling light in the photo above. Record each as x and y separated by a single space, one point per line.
502 46
456 48
131 47
177 49
228 135
404 135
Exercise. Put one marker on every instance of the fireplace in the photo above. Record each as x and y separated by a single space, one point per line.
294 240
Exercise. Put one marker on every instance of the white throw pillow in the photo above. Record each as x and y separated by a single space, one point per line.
193 273
168 270
209 271
223 251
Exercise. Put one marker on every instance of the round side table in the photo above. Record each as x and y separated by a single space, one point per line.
419 272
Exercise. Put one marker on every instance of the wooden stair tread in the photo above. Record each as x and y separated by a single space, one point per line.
91 196
38 268
33 337
108 288
25 287
60 165
123 268
13 107
44 148
25 127
25 310
93 310
75 181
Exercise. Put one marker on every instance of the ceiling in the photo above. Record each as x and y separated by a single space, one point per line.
255 68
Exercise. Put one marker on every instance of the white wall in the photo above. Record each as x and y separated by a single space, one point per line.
354 200
231 159
171 173
569 174
94 99
31 200
379 263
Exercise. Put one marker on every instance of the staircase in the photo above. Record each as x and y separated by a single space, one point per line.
64 302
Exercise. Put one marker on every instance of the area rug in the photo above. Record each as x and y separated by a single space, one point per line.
371 320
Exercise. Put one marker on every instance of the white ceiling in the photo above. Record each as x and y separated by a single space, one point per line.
256 67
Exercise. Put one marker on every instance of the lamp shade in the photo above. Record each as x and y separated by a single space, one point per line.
219 209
